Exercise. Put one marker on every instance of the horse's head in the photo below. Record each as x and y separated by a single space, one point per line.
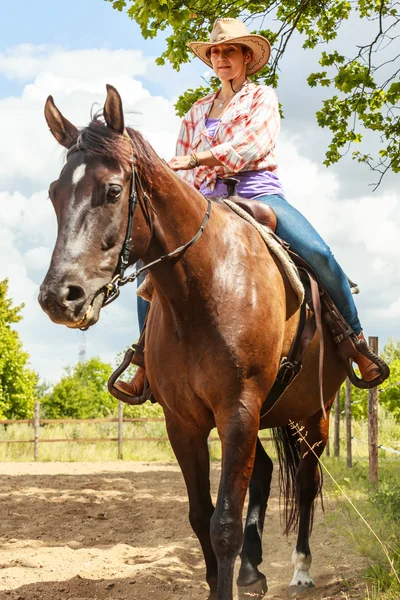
91 201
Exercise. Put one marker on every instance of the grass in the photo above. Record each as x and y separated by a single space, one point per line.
381 508
85 451
389 436
78 451
379 505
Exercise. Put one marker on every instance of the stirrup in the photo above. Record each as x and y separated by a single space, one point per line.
342 333
364 349
133 400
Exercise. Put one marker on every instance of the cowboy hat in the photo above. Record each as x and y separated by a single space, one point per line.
234 31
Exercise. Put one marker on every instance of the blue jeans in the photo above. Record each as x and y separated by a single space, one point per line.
142 305
307 243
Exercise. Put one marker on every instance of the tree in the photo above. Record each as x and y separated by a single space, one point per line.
366 86
391 350
17 381
389 391
81 393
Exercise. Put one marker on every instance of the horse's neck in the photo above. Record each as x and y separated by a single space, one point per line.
178 214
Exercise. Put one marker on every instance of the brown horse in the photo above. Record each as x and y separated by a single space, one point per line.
222 317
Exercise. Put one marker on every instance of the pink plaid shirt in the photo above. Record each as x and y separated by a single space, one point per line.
244 140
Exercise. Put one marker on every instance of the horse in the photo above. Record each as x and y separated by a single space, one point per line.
222 316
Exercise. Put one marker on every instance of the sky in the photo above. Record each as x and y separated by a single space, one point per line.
72 54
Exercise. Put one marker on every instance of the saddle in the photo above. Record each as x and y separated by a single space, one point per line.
261 212
317 307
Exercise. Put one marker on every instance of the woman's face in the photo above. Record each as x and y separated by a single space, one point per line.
229 60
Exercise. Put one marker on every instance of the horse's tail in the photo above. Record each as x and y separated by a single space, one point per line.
289 454
288 450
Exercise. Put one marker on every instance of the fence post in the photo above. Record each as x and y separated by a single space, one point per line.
328 446
336 437
349 458
373 422
36 425
120 428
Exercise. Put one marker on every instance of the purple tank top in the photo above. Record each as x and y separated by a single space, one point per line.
251 183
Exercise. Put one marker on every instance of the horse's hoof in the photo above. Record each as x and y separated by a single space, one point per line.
300 588
257 589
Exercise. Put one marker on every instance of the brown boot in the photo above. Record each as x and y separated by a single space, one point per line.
368 369
135 387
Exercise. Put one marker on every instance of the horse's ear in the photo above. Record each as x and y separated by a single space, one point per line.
113 111
65 133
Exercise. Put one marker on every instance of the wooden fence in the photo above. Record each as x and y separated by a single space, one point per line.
373 445
120 420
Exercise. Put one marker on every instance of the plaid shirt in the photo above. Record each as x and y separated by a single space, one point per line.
244 140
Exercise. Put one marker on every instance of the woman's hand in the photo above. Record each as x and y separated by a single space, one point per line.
180 163
206 158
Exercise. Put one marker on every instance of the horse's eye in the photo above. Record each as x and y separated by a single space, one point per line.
113 192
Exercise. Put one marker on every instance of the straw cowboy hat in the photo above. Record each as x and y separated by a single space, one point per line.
234 31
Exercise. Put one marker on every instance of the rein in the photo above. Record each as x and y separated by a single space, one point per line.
112 289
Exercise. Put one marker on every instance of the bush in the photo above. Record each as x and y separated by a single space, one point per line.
387 499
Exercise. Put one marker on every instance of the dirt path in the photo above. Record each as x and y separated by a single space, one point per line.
120 531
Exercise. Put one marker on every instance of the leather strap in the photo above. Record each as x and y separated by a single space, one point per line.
318 319
289 367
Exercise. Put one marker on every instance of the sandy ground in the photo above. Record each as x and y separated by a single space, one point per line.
120 531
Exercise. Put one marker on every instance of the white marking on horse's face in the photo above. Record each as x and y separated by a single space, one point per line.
78 174
77 236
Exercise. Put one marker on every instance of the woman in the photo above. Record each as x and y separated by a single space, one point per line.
234 131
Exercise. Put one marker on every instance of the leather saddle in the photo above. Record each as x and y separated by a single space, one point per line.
260 211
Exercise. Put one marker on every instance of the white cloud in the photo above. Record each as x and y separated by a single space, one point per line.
37 258
77 80
25 62
390 313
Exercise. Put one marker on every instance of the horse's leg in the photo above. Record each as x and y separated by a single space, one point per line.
238 431
191 450
250 580
315 429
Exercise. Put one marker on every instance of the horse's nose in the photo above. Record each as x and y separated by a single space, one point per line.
72 295
68 298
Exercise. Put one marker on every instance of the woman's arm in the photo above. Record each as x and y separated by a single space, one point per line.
180 162
256 138
206 158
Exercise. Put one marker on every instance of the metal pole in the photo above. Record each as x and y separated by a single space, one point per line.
36 425
120 428
336 437
349 458
373 422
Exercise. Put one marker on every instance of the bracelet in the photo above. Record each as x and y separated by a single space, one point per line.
194 161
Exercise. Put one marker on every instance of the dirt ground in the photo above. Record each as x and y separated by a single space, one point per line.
111 531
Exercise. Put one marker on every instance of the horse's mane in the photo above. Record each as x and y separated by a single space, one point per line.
100 140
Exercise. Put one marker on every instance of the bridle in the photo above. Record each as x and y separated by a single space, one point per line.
112 289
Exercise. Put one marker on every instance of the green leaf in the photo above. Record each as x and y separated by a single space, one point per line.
17 380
